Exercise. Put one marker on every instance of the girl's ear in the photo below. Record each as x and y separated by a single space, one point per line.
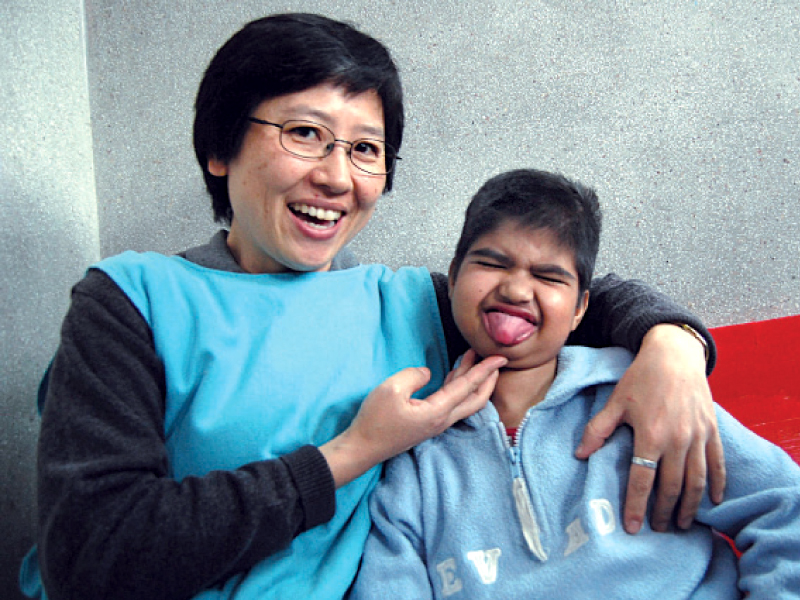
217 168
451 277
580 310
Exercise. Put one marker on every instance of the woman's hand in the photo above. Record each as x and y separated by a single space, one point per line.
665 397
390 421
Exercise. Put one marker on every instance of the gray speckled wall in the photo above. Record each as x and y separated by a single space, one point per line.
49 209
685 115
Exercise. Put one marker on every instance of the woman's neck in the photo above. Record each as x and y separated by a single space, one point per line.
518 390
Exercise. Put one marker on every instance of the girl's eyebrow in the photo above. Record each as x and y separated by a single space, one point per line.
552 270
507 261
492 254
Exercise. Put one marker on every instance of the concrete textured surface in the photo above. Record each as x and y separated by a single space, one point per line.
48 199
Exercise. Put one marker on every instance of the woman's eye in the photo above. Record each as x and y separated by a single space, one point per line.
305 133
368 150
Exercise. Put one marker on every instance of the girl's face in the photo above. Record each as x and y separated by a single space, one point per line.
517 294
274 193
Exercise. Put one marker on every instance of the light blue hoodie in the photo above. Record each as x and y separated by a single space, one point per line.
467 516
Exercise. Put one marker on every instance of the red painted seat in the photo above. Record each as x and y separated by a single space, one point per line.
757 378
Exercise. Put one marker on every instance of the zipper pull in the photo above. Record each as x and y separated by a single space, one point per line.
530 528
522 502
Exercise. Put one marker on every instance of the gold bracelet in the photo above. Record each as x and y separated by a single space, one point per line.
693 332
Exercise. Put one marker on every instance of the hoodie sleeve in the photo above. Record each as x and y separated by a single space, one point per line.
393 564
761 512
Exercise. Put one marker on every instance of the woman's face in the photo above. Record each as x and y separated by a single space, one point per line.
272 190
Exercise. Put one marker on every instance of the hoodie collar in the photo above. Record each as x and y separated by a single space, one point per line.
578 368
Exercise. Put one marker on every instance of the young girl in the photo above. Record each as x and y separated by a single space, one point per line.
498 506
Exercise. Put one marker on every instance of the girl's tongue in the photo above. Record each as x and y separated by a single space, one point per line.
507 330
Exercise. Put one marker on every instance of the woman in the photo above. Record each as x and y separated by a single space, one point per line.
215 421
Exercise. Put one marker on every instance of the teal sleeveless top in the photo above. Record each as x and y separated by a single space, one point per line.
259 365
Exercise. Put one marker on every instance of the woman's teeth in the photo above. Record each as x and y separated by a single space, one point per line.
320 214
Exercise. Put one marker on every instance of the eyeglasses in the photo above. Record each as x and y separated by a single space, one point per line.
307 139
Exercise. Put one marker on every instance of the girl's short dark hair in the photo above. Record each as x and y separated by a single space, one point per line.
537 200
279 55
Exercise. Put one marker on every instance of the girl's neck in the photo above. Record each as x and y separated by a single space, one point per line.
518 390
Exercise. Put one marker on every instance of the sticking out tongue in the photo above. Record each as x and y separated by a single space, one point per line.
506 329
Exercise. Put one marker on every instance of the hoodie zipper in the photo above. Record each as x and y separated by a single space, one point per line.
522 499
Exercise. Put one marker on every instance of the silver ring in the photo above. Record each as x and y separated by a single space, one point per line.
644 462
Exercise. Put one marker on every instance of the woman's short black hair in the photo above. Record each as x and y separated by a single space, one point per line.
537 200
279 55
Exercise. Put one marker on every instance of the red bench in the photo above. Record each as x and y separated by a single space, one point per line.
757 378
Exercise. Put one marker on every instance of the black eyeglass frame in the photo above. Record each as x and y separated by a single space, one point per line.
391 153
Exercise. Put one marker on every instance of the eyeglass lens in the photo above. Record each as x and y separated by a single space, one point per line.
312 140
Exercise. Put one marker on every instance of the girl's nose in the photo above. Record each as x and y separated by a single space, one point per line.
516 288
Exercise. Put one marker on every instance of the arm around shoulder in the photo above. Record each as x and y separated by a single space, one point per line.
664 396
622 311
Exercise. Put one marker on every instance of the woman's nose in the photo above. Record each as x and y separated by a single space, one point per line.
335 170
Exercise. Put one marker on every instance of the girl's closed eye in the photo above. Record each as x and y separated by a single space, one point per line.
489 264
550 278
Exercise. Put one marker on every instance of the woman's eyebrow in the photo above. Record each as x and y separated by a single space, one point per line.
373 132
312 113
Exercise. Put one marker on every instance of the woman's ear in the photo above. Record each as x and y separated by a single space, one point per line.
217 168
580 310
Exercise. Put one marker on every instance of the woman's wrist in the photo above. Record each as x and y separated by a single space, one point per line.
678 336
347 459
696 335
